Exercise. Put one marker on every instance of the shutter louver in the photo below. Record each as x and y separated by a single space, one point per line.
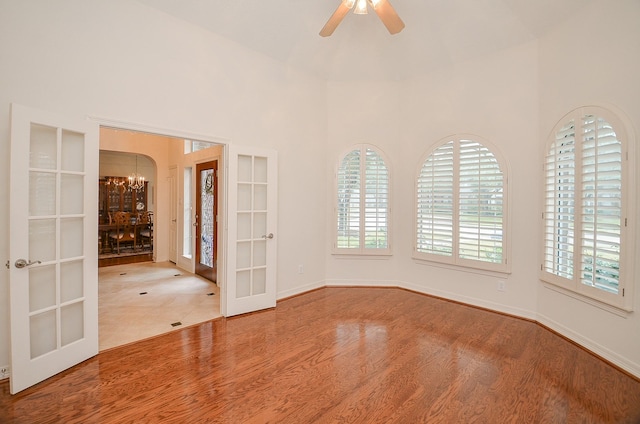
435 203
559 203
376 201
601 205
349 202
480 204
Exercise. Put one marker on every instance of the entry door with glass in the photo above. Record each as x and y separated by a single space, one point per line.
206 220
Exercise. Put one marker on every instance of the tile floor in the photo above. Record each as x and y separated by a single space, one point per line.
172 295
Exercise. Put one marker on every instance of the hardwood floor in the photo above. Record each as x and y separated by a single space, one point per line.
349 355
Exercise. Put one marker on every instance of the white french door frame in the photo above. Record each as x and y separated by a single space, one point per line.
251 243
223 224
53 265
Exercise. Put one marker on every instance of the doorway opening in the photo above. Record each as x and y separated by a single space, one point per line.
125 208
158 292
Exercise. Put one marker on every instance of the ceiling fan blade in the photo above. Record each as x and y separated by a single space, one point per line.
334 20
388 16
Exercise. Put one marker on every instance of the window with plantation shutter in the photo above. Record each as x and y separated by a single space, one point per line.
362 210
461 206
584 218
559 203
435 203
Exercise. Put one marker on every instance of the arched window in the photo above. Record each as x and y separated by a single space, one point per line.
362 209
587 206
461 198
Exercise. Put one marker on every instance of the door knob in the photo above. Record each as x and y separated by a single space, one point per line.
22 263
269 236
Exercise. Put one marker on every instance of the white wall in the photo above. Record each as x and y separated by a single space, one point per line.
117 59
494 97
594 59
512 99
120 60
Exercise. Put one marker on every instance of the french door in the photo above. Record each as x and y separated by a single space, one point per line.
53 266
251 230
206 221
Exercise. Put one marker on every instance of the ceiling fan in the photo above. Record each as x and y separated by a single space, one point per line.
383 9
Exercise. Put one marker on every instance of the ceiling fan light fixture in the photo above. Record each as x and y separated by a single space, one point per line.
382 8
361 7
349 3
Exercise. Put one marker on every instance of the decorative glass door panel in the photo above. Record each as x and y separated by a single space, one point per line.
53 270
206 220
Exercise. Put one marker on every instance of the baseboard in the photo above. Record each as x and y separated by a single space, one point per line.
616 360
361 283
597 349
300 290
480 303
517 312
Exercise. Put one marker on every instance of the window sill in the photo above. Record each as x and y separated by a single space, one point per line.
617 310
464 268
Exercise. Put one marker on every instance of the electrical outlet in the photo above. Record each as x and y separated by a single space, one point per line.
4 372
502 285
300 269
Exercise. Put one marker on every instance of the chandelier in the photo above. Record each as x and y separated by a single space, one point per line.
135 181
115 182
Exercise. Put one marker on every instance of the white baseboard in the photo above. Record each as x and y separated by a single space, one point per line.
361 283
481 303
299 290
600 350
522 313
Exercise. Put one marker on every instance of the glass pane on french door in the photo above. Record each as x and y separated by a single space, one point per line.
251 259
56 238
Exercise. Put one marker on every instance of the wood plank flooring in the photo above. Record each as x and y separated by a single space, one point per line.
340 355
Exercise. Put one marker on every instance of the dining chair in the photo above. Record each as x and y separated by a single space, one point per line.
124 232
145 228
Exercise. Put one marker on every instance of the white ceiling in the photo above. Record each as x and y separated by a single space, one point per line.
437 33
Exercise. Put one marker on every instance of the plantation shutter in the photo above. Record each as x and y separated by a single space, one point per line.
348 208
480 204
559 203
363 202
601 205
435 198
376 201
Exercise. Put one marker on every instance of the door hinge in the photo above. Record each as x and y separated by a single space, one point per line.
541 267
622 292
7 264
625 222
